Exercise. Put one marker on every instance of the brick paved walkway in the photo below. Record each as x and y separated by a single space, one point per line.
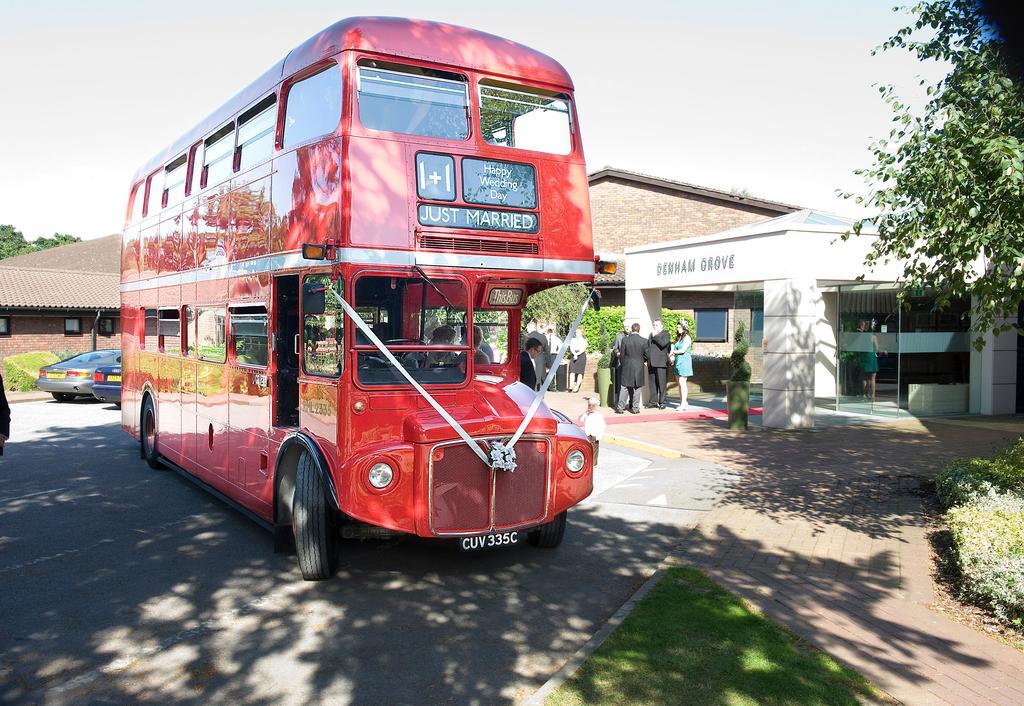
825 532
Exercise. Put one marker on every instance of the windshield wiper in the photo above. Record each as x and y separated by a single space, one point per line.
423 276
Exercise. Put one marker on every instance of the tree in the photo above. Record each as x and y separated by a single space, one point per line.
12 242
559 304
55 241
948 182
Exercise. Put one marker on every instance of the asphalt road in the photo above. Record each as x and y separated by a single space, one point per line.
123 584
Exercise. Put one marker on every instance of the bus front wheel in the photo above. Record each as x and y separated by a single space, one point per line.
149 435
550 535
316 536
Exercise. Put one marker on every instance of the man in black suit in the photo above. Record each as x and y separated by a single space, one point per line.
617 361
527 363
657 366
533 333
5 417
632 352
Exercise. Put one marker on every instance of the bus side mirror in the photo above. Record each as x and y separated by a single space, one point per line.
595 300
314 298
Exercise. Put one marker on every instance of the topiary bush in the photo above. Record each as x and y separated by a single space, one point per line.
21 370
988 542
738 365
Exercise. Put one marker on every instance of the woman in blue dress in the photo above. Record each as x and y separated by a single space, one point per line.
682 356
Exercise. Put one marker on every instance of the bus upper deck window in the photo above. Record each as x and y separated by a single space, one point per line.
413 101
174 180
217 159
313 107
256 133
525 118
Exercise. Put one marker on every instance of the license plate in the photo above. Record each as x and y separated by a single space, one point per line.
56 376
487 541
113 378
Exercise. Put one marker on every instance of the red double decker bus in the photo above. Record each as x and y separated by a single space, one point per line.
322 284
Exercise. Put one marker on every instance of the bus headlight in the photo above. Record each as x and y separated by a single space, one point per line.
381 475
575 461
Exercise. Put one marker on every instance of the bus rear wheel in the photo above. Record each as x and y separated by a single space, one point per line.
550 535
149 435
316 534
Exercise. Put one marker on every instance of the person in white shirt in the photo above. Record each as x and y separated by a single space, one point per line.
593 425
578 350
554 345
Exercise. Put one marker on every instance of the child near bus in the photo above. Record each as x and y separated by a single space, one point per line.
593 425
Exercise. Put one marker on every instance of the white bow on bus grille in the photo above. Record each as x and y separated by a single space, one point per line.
358 320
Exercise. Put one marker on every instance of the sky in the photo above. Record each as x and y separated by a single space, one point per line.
776 99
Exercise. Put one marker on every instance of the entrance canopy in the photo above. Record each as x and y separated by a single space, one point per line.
806 244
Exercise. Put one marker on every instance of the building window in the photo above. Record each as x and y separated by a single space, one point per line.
756 327
72 327
106 327
5 325
313 108
712 325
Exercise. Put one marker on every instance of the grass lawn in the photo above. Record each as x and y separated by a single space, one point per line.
691 642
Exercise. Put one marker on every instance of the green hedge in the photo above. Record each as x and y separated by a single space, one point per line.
612 318
964 479
986 521
988 540
21 370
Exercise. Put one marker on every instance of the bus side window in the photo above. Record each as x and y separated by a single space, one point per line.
155 193
169 329
313 107
217 157
249 335
210 335
188 344
256 133
174 181
323 335
490 335
151 330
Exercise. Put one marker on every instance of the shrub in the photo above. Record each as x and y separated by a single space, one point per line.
964 479
738 365
988 541
21 370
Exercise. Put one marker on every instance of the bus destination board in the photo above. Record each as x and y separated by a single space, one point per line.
477 218
487 181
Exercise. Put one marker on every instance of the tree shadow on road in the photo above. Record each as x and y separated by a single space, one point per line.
133 585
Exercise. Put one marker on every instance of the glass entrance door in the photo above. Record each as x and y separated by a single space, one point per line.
869 350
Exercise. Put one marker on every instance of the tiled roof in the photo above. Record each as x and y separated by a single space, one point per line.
683 187
24 288
97 255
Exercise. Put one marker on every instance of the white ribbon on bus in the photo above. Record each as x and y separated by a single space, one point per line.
503 456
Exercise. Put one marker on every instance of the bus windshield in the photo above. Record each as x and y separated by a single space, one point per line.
424 322
525 119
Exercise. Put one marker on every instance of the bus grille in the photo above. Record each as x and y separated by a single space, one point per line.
478 245
463 488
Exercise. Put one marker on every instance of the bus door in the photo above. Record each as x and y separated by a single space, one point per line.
286 351
322 357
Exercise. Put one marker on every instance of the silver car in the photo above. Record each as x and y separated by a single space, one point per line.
72 378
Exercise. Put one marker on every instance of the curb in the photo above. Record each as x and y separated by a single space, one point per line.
569 668
647 447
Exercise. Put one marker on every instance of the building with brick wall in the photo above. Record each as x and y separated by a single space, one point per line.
61 300
630 209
